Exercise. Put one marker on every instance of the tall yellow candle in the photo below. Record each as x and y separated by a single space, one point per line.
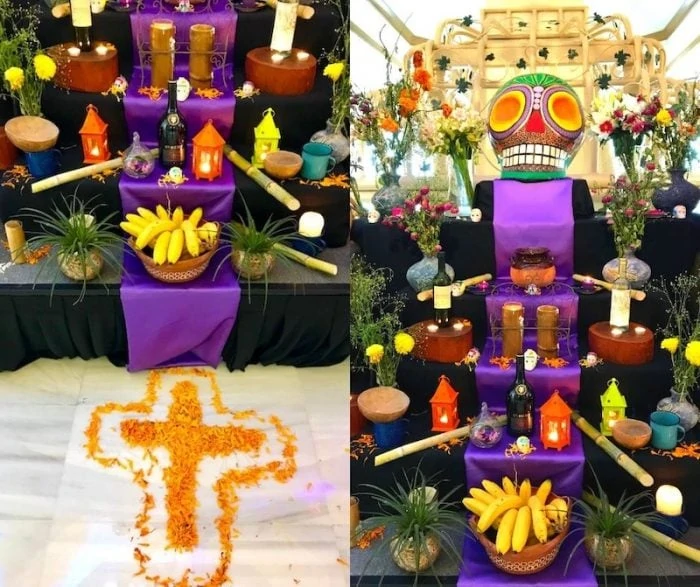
162 52
201 48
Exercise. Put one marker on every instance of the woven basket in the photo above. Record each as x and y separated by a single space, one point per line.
186 269
531 559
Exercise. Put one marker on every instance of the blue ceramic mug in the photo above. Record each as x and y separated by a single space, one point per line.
43 163
317 160
666 431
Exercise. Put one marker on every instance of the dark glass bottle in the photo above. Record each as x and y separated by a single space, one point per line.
520 402
81 18
442 294
172 132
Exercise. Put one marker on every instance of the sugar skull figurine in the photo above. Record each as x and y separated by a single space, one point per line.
679 211
536 125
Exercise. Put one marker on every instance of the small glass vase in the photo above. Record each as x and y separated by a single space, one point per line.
461 187
389 196
683 407
420 275
638 272
336 140
680 193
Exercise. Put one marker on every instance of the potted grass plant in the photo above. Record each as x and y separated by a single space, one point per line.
80 243
420 520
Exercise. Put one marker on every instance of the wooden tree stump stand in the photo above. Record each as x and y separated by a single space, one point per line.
289 77
444 345
635 346
383 404
88 72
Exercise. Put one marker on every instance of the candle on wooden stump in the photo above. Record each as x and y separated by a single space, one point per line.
101 50
74 51
513 318
302 56
547 324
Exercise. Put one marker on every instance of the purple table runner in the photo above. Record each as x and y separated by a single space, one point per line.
545 209
216 197
185 324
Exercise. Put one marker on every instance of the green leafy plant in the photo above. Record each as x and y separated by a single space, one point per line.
413 514
73 231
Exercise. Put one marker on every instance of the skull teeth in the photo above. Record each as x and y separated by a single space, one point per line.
533 154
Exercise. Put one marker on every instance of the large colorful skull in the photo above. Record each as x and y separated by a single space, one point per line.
536 126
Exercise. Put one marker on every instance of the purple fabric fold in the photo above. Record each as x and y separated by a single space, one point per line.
220 17
564 467
216 197
546 210
185 324
142 113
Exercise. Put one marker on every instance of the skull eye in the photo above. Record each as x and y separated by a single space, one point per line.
565 111
507 111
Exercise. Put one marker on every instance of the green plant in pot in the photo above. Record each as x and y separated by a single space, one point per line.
420 520
80 242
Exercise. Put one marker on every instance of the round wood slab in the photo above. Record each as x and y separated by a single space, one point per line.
289 77
383 404
88 72
31 134
444 345
635 346
282 164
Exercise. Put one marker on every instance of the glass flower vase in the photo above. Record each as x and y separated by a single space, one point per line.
687 411
461 187
389 196
638 272
420 275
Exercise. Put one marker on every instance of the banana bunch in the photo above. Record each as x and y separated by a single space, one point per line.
168 235
520 513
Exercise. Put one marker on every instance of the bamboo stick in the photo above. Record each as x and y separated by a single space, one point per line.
16 241
614 452
81 173
272 188
308 260
459 286
419 445
655 536
635 294
303 11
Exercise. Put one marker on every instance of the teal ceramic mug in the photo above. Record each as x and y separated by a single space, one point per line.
666 431
317 160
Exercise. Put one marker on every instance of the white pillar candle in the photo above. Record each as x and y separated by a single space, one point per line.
311 224
302 56
433 327
74 51
639 330
669 500
101 50
277 58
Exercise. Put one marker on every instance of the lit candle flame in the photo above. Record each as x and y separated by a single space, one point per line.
443 418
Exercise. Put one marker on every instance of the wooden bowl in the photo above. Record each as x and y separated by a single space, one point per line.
282 164
31 134
631 434
383 404
531 559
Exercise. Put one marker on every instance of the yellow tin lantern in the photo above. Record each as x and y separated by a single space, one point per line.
614 405
207 152
93 135
267 138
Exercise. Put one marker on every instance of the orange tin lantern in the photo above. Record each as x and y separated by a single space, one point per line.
93 135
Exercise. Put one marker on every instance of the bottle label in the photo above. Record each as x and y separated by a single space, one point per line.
80 13
285 23
620 308
174 153
521 422
173 119
521 389
442 297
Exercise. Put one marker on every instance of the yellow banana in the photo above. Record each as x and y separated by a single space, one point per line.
191 238
493 488
178 216
162 213
504 537
153 230
147 214
160 251
539 520
139 221
481 495
130 228
196 217
207 232
495 509
474 505
557 511
509 486
521 529
525 490
543 491
177 240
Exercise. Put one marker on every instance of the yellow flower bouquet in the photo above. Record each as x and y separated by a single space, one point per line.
384 358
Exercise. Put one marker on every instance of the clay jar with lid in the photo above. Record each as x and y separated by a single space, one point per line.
532 265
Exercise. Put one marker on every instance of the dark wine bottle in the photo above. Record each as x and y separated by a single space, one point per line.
81 18
172 132
442 294
520 402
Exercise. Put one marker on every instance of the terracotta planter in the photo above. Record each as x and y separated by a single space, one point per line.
608 553
405 557
72 267
252 265
533 265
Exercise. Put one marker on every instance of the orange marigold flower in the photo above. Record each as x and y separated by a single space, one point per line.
422 78
418 59
389 124
446 110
